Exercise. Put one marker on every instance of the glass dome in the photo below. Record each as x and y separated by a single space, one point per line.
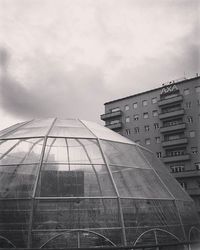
73 183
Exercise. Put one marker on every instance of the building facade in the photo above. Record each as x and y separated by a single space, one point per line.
167 121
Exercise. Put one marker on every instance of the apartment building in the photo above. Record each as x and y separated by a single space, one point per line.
167 121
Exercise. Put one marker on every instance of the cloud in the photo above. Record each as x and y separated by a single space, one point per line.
68 58
60 93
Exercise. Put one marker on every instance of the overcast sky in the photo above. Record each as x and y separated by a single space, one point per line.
66 58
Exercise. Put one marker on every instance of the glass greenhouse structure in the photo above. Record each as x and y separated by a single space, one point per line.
71 183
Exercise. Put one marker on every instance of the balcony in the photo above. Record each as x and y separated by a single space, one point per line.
193 191
175 127
175 99
110 115
187 174
114 126
169 114
168 159
174 142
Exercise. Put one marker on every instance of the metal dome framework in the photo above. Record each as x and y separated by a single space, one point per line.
73 183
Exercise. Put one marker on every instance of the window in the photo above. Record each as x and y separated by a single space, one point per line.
197 89
146 128
147 141
194 150
188 105
186 91
157 139
136 117
174 136
172 122
183 185
145 115
135 105
192 134
159 154
156 125
128 131
154 100
177 169
126 107
144 103
177 152
127 119
171 109
197 165
155 113
138 141
115 110
137 130
190 119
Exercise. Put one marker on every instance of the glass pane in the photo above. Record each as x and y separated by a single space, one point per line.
40 238
5 243
88 239
8 130
113 235
40 123
35 128
148 236
20 151
63 241
70 128
17 180
74 181
76 213
14 214
14 221
165 238
141 183
172 185
6 146
71 132
28 132
68 123
18 238
84 151
105 133
78 151
56 150
188 215
123 155
153 213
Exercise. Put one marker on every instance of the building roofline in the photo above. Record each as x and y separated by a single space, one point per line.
151 90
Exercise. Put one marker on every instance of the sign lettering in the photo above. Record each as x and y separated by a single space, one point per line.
169 89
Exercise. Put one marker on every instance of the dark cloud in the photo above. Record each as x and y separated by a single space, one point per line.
78 92
50 89
82 90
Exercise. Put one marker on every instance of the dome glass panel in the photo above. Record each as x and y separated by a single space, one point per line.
72 183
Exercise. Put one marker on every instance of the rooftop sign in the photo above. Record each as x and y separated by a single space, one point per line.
169 89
